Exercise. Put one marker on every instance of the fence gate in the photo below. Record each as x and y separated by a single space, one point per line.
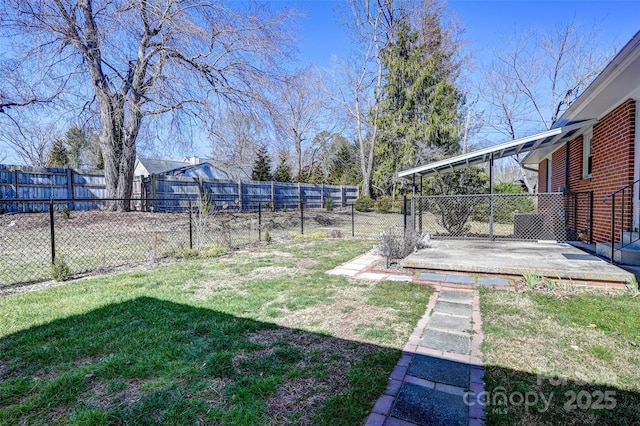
546 216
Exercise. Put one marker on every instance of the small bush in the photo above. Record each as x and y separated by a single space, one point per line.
364 204
208 251
383 205
401 245
60 269
267 236
335 233
66 214
319 234
328 204
213 251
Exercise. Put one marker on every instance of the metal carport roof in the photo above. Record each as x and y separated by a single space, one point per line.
545 139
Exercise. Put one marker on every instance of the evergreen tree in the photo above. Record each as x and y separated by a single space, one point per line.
76 142
283 171
58 156
419 120
262 166
344 168
100 162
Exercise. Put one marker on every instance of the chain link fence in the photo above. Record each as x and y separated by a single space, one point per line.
547 216
92 238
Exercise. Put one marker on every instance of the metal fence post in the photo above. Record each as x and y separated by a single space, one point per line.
420 215
301 217
259 222
491 213
353 220
404 209
53 233
190 227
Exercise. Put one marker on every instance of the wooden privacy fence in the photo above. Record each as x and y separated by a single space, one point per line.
35 183
241 195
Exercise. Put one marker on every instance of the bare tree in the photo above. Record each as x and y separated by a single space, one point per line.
371 25
137 59
299 111
537 76
235 142
31 142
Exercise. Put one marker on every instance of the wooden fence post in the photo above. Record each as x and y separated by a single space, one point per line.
342 195
240 195
321 195
299 194
153 191
70 188
15 183
273 196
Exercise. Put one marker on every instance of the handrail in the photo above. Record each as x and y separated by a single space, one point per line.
612 197
614 193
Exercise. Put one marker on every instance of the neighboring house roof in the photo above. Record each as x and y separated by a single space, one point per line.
620 80
204 170
159 166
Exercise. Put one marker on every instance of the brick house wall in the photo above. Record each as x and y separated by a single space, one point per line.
612 166
558 168
542 175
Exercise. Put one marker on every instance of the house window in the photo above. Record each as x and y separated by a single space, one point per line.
587 147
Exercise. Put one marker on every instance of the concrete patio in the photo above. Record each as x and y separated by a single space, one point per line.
512 258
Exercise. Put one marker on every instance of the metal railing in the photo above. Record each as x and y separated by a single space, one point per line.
545 216
622 218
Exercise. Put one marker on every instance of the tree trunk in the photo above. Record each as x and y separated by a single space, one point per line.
117 142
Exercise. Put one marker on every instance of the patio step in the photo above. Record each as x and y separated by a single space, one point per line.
631 239
629 255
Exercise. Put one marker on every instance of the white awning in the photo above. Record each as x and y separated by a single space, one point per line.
550 138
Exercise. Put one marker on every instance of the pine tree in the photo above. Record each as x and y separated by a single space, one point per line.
100 162
283 171
419 119
58 156
262 166
76 141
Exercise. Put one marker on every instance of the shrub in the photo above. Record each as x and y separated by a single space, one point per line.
402 245
213 251
335 233
364 204
328 204
383 205
60 269
506 206
314 235
208 251
267 236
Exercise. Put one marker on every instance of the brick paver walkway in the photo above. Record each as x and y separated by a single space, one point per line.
440 372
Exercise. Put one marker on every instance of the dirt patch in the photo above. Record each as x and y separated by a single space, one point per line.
304 395
307 263
343 317
98 394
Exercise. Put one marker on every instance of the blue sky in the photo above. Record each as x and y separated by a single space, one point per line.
484 23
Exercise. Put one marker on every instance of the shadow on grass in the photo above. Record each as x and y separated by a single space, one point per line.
515 397
149 361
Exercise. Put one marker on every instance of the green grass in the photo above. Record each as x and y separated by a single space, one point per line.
261 336
582 352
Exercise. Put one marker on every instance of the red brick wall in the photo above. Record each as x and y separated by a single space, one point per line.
558 168
612 167
542 176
